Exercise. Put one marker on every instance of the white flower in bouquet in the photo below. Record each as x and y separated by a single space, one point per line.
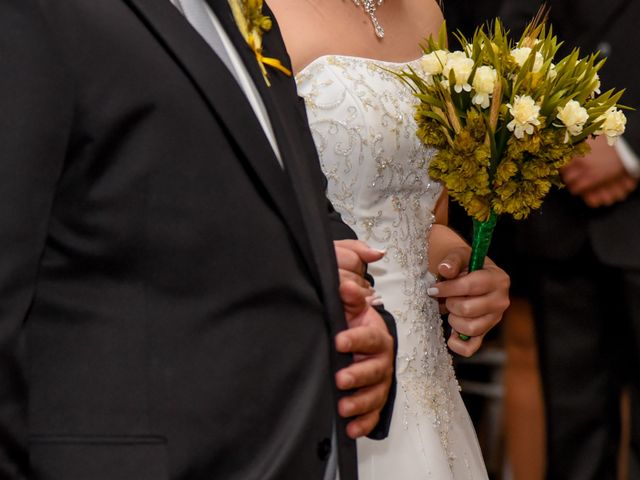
433 63
573 116
614 125
462 66
521 55
525 115
484 83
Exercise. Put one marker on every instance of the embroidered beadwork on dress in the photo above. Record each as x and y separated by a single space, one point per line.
362 121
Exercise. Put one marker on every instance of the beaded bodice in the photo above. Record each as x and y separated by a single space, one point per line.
362 120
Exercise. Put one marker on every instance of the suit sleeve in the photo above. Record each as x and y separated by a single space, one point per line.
33 120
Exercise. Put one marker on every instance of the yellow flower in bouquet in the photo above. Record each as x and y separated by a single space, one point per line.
506 116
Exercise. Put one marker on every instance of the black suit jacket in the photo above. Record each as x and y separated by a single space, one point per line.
564 224
169 293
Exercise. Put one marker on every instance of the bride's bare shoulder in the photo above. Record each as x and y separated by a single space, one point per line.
428 14
301 24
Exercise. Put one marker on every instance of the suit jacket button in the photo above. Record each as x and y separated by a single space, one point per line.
324 449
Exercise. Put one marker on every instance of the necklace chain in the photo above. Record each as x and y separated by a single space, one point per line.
370 7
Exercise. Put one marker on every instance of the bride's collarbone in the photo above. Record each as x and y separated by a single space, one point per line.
358 42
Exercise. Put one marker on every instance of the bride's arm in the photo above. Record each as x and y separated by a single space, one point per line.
475 301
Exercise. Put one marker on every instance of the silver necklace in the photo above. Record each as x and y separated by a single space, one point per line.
370 7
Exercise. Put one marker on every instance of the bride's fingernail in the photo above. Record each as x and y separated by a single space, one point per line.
445 265
375 299
433 291
383 251
377 302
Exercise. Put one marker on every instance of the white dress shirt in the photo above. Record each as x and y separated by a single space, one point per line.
628 157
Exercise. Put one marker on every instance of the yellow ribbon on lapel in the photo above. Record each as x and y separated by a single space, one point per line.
252 25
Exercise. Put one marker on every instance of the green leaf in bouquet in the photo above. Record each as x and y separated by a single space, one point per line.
430 100
587 132
411 79
434 116
443 37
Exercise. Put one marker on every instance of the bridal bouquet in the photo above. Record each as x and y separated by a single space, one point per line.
505 117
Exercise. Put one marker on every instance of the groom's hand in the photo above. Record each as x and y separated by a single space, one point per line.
371 374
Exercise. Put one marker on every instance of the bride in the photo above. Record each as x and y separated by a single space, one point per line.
361 117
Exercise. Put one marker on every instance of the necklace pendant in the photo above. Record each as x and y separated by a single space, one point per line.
370 7
377 27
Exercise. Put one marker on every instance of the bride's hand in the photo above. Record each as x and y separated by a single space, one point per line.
475 301
352 257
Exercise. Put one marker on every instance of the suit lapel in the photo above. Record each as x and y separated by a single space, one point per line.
228 102
280 102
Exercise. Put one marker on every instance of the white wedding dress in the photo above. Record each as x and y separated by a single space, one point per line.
362 120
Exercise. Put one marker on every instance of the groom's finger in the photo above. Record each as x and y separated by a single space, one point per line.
364 340
363 401
363 425
364 406
370 371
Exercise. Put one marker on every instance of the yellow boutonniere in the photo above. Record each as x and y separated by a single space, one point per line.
253 25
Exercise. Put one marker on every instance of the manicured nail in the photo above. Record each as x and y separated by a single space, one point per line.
433 291
445 265
372 298
383 251
377 302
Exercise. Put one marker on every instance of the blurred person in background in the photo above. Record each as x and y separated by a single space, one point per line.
586 280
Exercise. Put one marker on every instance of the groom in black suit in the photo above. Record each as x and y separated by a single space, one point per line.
169 298
584 250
